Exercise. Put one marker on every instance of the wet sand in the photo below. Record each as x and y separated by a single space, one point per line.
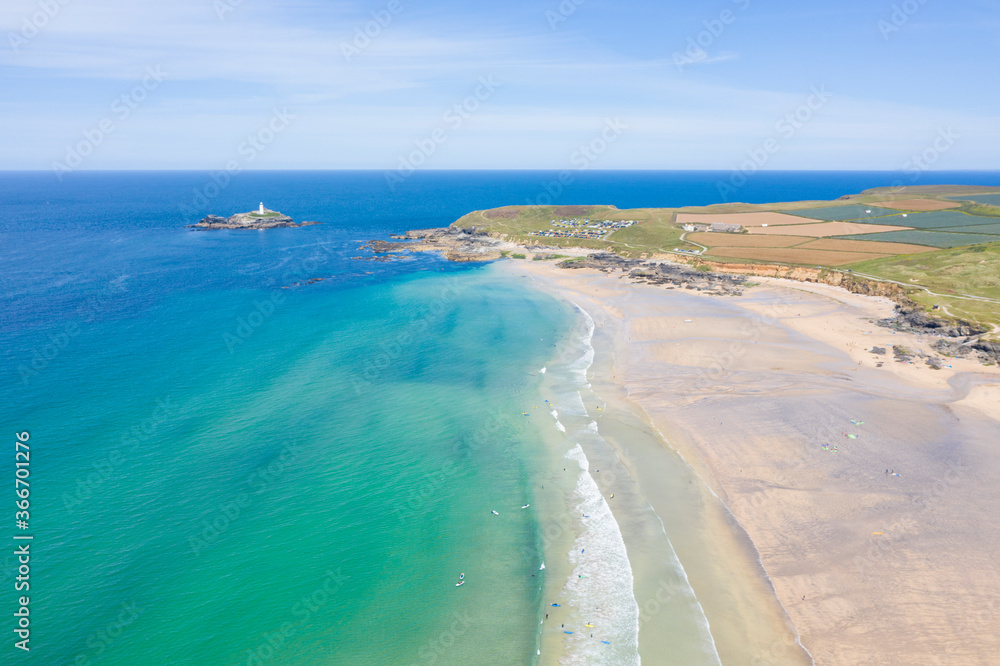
757 394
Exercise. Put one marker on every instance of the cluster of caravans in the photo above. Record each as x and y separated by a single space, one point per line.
592 229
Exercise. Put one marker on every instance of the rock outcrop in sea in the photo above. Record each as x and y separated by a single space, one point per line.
269 219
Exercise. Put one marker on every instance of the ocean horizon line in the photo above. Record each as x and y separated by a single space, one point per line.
499 169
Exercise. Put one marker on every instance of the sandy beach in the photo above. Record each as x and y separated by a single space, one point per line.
866 487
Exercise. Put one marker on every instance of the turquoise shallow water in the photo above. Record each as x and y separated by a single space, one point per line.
308 499
225 471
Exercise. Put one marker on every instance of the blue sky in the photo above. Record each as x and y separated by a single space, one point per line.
696 85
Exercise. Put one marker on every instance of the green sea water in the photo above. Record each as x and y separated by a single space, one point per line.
224 471
303 491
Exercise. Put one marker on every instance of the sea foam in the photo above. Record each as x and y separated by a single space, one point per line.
599 590
600 586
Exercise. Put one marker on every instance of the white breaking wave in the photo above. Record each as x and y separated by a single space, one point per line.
600 586
586 359
572 403
559 424
599 590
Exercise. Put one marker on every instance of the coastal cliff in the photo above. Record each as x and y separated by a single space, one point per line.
696 273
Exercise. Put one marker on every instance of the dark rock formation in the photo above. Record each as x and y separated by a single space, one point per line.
456 244
669 275
910 318
983 350
212 221
269 220
902 354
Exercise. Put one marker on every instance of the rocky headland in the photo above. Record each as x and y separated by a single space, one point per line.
955 338
454 243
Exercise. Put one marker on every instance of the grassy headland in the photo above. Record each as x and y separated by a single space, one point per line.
930 258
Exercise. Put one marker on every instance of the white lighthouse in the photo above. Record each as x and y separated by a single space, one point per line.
261 207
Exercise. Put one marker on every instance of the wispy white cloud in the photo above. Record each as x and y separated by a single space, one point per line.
557 88
724 56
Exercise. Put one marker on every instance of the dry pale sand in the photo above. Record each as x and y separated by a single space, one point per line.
776 403
824 229
746 219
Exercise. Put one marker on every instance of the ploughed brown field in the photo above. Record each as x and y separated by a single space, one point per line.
921 205
827 229
745 219
794 255
573 210
745 240
502 213
841 245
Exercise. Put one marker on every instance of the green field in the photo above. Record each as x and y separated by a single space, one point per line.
852 212
967 261
940 239
951 273
938 219
655 232
992 229
988 199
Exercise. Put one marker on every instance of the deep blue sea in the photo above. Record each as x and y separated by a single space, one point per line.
231 463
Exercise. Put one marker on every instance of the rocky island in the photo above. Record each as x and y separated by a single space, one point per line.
262 218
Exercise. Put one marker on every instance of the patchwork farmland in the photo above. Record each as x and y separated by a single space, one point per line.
987 199
918 205
927 236
941 219
834 233
939 239
826 229
852 212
